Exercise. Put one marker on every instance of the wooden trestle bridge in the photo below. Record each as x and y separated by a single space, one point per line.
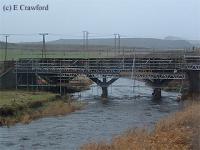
55 72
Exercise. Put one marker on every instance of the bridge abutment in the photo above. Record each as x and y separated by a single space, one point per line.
104 84
194 85
194 81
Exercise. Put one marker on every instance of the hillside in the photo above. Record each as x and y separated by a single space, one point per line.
130 42
63 44
196 43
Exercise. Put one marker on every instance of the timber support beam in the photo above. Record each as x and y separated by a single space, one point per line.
104 84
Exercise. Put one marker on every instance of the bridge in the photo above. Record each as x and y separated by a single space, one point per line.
56 72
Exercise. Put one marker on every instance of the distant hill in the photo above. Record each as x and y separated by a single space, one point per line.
195 43
144 43
2 44
130 42
173 38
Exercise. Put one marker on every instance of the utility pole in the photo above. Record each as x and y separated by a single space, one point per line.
85 39
44 44
6 48
119 41
85 42
87 33
115 42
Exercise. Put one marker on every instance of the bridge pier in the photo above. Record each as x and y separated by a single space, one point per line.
156 93
157 83
104 84
104 92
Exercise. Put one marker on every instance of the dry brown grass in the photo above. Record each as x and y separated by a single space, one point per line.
56 108
52 108
179 131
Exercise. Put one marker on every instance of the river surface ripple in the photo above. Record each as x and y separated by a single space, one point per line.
127 107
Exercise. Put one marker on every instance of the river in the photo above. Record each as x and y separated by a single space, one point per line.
127 107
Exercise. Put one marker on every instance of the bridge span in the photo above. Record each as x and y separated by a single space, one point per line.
56 72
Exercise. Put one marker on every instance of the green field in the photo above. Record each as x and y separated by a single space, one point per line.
9 98
16 54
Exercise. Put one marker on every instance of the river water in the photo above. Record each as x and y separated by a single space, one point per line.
127 107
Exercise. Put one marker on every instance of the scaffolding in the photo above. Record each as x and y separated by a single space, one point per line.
56 72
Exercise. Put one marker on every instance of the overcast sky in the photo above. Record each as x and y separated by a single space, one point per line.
130 18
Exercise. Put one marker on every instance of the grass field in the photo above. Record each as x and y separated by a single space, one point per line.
22 97
16 54
24 106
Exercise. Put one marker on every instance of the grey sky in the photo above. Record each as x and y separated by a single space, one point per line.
130 18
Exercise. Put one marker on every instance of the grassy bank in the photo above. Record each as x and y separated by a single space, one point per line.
179 131
80 83
21 106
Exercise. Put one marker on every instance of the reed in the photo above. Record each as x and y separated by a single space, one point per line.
180 130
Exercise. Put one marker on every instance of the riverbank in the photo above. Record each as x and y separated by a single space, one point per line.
23 106
80 83
180 130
